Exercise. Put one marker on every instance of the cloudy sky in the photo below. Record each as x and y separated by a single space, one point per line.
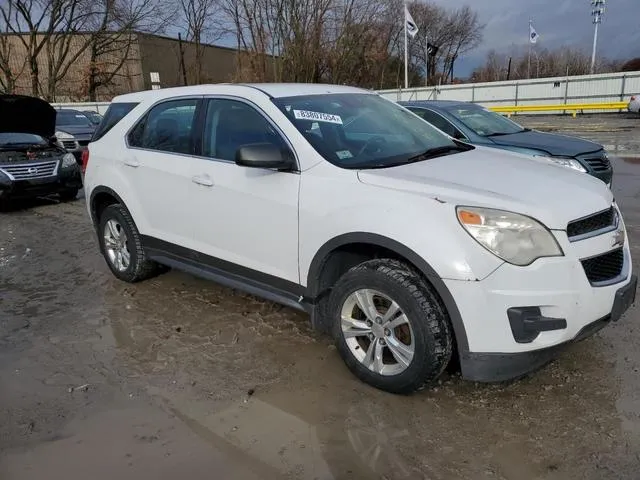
558 22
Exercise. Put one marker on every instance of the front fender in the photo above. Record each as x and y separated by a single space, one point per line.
425 226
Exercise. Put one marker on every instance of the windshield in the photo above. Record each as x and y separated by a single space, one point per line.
364 130
21 139
484 122
66 117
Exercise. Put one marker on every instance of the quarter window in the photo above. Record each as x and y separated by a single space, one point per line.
167 127
231 124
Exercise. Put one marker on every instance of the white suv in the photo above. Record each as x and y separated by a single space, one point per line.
407 245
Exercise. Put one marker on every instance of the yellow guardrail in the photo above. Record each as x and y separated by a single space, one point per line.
571 107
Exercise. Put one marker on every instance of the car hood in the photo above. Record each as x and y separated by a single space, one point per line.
486 177
76 130
551 143
22 114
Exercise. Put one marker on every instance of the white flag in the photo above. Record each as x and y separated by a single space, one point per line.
533 35
410 25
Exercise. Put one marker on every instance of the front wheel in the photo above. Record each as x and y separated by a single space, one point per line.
390 327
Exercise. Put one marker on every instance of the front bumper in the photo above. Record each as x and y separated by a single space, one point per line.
66 179
551 303
498 367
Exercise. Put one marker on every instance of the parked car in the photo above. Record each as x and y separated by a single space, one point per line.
634 104
480 126
31 163
396 238
94 117
74 131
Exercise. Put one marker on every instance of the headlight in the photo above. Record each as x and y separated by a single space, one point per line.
515 238
64 136
571 163
68 160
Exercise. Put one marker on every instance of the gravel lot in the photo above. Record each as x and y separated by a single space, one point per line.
180 378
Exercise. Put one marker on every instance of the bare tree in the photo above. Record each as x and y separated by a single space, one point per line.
33 21
544 63
203 23
66 45
114 26
8 76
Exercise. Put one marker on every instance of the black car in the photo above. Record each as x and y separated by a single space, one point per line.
74 130
32 164
476 125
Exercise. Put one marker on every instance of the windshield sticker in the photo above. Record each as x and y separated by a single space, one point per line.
343 154
317 116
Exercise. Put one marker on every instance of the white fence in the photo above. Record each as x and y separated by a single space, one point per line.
611 87
100 107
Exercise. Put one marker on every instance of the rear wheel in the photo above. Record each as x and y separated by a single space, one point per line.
390 327
121 246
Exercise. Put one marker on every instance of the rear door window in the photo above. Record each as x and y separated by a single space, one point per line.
167 127
115 113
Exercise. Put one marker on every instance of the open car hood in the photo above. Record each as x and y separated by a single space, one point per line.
22 114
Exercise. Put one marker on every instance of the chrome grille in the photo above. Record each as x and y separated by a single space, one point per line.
30 171
69 144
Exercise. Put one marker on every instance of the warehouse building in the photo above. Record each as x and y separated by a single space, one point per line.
118 64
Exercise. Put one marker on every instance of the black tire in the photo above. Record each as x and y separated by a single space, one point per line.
69 195
421 305
140 267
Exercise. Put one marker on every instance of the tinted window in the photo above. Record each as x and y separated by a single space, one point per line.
21 139
484 122
72 117
436 120
115 113
362 130
167 127
230 124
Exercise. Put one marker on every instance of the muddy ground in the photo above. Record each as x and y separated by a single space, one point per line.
179 378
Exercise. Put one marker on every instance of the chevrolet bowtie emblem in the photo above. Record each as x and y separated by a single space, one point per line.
618 239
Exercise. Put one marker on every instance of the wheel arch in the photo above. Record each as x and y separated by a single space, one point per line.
344 251
102 197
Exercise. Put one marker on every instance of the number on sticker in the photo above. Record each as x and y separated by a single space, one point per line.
317 116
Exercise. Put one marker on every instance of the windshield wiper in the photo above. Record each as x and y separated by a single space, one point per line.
498 134
436 152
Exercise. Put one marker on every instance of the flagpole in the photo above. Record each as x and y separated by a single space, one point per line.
529 62
426 65
406 55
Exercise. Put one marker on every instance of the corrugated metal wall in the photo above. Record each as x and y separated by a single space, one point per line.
612 87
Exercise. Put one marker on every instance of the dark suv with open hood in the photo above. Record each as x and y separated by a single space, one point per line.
475 124
31 162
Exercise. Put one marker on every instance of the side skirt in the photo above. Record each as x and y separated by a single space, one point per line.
228 274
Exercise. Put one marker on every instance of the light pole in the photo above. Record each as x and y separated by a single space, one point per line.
596 12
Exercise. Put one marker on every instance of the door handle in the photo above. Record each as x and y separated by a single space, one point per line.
131 162
204 180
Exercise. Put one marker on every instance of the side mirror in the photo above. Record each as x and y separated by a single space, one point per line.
263 155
